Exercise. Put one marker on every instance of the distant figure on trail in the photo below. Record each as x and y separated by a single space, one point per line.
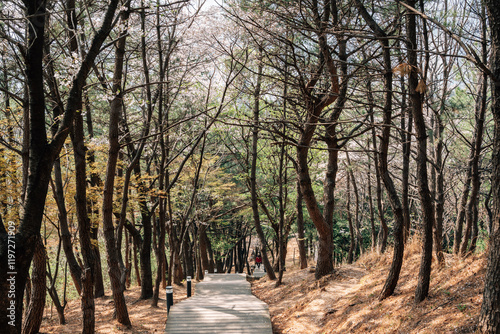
258 260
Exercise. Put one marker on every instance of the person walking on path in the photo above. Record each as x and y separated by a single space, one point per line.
258 260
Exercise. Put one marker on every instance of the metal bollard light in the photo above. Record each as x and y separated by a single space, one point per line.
188 280
170 298
206 272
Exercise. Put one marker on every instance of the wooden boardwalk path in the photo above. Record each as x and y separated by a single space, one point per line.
222 304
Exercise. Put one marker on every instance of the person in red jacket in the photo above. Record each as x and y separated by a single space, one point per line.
258 260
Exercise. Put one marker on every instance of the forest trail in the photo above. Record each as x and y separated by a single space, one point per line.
302 303
222 303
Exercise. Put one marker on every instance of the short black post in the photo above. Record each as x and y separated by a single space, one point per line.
170 298
188 280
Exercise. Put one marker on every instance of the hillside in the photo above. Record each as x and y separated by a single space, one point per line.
347 301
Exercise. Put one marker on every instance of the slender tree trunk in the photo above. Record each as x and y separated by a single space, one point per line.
489 320
370 202
439 165
459 223
51 287
34 312
203 240
136 262
114 269
356 225
74 268
480 111
475 176
93 208
88 306
384 230
84 226
439 194
475 230
145 256
42 155
128 260
350 255
300 230
427 206
253 171
397 259
315 106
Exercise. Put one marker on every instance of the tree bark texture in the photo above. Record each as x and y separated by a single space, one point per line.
397 259
489 320
88 306
425 197
42 154
34 312
300 230
114 269
253 172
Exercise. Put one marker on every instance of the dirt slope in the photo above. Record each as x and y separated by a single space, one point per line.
347 302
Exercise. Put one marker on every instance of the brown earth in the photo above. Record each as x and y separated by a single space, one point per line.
144 318
347 301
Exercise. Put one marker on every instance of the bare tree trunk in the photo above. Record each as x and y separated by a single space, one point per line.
439 195
253 171
203 240
489 320
300 230
136 263
42 154
114 269
356 225
438 159
427 206
350 255
51 287
34 313
475 176
384 230
74 267
282 199
128 260
397 259
88 306
480 111
370 201
93 208
459 223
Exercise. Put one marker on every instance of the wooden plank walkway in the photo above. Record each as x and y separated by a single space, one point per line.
259 272
222 304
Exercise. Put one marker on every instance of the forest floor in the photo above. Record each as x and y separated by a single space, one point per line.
144 318
347 301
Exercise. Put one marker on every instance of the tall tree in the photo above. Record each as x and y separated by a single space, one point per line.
34 312
397 260
489 319
253 169
42 153
115 111
315 104
427 206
